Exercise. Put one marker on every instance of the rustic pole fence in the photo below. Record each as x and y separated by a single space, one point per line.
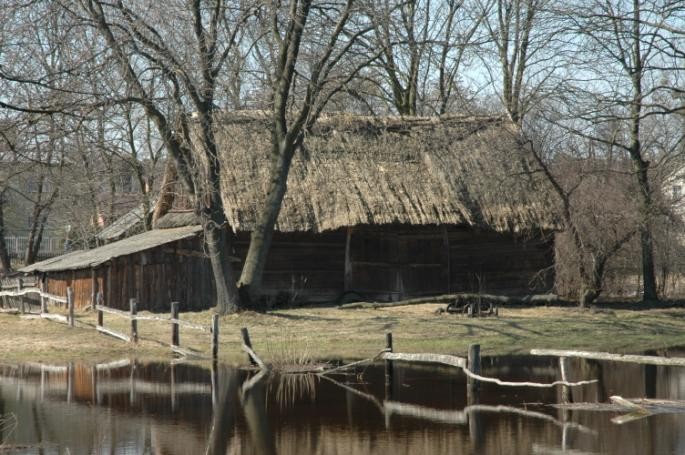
174 325
70 306
473 364
173 319
388 368
245 335
13 299
133 305
100 302
20 286
215 337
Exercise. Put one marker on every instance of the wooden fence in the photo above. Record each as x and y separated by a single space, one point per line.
49 246
173 320
10 291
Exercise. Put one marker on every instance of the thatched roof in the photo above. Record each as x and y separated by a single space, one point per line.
92 258
356 170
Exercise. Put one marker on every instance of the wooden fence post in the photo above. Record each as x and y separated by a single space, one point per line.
174 325
473 364
70 305
388 368
101 302
215 336
20 286
134 322
246 341
94 289
43 299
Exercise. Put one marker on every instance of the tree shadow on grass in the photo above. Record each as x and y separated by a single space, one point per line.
304 317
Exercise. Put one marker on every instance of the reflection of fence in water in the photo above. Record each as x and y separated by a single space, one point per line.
91 384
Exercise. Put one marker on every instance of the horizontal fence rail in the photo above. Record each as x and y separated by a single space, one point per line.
14 293
173 319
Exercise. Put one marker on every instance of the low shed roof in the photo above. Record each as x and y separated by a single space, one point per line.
91 258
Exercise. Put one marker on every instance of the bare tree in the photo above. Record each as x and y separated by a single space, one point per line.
305 45
618 40
522 56
424 47
595 228
185 58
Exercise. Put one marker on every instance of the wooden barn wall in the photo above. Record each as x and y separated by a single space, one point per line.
500 264
385 263
396 262
174 272
300 266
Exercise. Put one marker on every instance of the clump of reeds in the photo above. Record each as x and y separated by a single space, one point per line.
287 354
8 423
291 388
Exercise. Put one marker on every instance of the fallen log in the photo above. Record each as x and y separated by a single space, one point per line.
644 359
253 355
637 408
460 362
465 297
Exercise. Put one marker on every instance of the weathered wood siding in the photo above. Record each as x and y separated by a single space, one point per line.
406 261
301 266
380 262
177 271
500 264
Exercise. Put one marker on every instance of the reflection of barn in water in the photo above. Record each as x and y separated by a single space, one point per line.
387 208
137 412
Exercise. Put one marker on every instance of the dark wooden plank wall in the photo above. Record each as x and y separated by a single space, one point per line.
500 264
398 261
310 266
387 263
405 261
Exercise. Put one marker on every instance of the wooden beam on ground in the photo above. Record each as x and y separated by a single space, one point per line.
55 317
113 333
533 299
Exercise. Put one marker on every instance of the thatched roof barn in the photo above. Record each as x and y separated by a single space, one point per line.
394 207
385 208
454 170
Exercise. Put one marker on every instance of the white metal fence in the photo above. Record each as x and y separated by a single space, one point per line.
49 247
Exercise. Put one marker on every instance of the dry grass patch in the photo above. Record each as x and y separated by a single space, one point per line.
306 335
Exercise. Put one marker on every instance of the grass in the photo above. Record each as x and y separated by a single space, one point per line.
331 333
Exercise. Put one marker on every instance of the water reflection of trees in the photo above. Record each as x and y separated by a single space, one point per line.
187 409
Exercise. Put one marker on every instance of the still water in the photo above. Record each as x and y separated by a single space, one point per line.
131 407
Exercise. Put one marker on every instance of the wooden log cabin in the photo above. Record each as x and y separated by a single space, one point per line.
376 208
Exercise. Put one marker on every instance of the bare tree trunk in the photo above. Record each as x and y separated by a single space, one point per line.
641 166
216 239
4 254
262 234
166 197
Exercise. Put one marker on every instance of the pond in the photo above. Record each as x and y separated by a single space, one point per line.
130 407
